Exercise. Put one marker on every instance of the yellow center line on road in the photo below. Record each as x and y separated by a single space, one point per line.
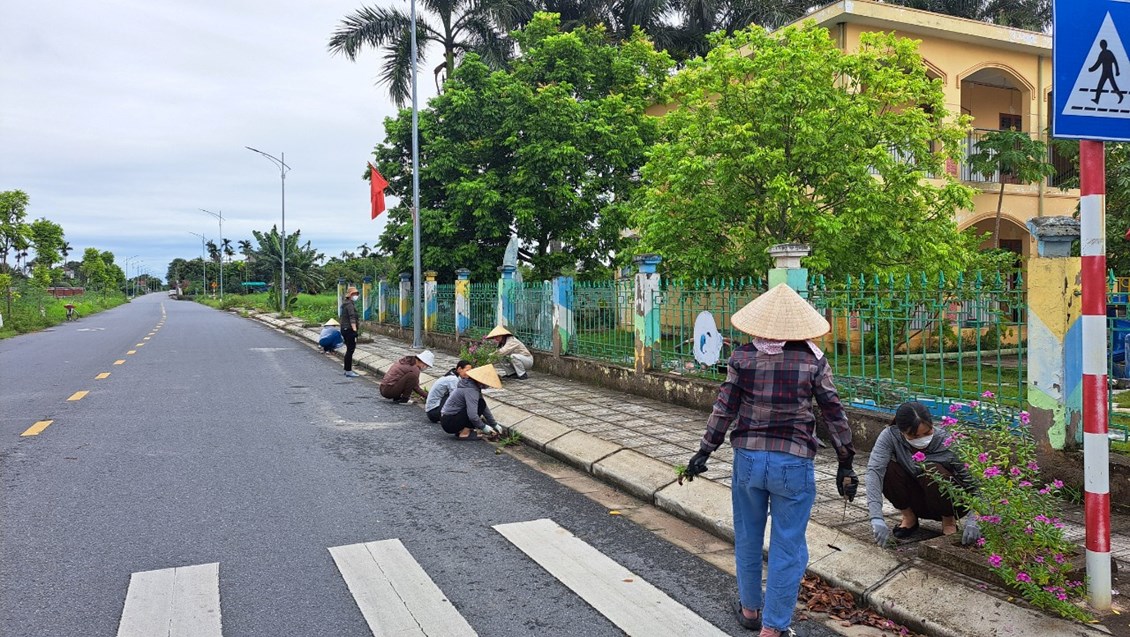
78 395
102 376
37 427
120 361
131 352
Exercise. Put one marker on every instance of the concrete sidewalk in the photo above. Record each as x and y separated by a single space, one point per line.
634 443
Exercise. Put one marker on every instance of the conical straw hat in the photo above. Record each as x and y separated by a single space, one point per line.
332 323
486 375
498 331
780 315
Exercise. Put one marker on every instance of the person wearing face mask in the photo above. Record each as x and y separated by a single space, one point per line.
349 325
893 472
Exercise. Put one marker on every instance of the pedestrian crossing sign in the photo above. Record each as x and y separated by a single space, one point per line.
1091 92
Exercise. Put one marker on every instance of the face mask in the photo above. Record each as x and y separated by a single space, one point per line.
354 297
921 443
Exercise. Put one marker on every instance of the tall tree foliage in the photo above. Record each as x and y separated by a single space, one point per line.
1035 15
1011 155
301 261
549 150
784 138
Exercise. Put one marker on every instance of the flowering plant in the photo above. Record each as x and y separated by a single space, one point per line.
480 353
1019 514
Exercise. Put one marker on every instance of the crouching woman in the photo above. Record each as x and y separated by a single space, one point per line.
465 413
906 457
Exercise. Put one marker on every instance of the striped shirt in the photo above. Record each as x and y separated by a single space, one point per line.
767 398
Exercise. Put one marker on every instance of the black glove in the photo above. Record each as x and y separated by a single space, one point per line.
697 464
846 481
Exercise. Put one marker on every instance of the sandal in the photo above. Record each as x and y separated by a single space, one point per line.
474 435
902 532
748 623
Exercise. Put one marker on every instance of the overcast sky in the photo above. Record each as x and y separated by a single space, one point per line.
121 118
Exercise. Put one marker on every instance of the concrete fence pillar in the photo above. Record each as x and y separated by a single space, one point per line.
462 301
367 298
431 304
562 287
506 285
1055 335
405 300
382 300
340 294
786 266
645 316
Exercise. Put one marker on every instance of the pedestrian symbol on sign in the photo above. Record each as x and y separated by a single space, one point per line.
1096 92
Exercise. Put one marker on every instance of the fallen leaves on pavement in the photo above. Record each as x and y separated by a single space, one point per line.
820 597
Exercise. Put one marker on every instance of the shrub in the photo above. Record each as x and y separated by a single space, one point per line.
479 353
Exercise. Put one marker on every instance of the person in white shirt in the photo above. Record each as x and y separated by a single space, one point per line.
515 356
441 389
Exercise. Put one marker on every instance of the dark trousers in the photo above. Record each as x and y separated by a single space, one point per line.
454 423
350 338
920 494
401 389
435 413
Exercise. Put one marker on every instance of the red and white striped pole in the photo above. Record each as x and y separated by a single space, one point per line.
1096 444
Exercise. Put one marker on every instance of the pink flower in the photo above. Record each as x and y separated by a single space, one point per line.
919 457
1025 418
1074 584
992 471
975 404
995 560
1028 530
1057 484
948 441
1039 559
1061 596
947 421
1043 491
1025 483
987 394
980 541
982 457
1032 466
1059 558
1014 472
1042 518
1023 577
955 407
1004 501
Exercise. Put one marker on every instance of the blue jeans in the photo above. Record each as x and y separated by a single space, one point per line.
784 484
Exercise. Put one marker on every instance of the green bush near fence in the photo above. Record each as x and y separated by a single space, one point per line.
26 317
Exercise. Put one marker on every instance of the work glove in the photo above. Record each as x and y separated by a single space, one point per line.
881 531
847 484
972 532
697 464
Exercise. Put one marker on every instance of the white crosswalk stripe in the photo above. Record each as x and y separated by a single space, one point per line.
634 605
173 602
394 593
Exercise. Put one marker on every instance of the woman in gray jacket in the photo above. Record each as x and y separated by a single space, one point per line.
465 413
894 472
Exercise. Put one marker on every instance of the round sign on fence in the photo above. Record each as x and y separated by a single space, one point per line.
707 339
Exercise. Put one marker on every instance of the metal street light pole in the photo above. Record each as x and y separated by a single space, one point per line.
125 262
417 286
281 163
220 216
203 262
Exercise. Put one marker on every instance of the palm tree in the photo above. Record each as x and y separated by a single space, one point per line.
246 250
225 245
364 250
213 251
300 260
465 26
66 249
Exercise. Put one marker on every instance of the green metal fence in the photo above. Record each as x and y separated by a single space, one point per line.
392 305
445 308
680 303
602 321
483 298
533 314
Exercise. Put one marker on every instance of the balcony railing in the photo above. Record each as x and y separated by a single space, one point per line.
1065 170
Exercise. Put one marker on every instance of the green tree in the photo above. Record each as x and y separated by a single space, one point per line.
464 26
1012 156
13 235
782 137
93 269
47 240
301 261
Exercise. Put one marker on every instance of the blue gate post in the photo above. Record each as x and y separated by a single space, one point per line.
506 286
367 298
431 309
382 300
645 318
462 301
405 300
340 293
562 314
1055 335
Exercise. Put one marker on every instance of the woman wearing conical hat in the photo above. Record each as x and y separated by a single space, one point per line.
513 352
466 413
767 400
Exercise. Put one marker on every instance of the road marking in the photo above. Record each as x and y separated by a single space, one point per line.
173 602
78 395
102 376
145 339
140 345
131 352
38 427
394 593
120 361
630 602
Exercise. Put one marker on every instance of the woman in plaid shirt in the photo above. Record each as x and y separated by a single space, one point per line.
767 401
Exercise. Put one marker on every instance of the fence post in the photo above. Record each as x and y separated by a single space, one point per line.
562 314
430 303
1055 335
382 300
405 300
340 293
786 261
462 301
367 298
645 318
506 295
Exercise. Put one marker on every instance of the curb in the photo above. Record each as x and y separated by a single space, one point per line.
919 598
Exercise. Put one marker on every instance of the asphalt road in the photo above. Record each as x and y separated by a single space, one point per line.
221 440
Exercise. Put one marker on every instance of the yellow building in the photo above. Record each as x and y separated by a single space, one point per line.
999 76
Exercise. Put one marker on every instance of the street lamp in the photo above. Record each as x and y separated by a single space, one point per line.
282 244
125 262
417 286
203 262
220 216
